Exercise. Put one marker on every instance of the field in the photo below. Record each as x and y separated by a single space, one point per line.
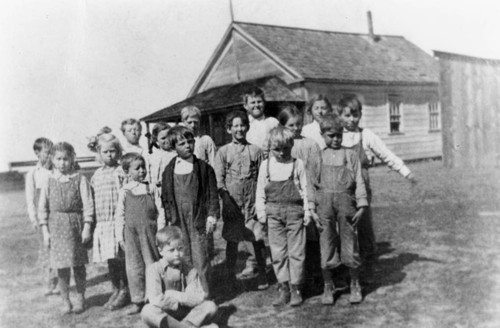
438 264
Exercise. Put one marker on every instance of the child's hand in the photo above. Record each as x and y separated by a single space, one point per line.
46 238
357 216
169 302
315 218
86 235
412 179
211 222
307 218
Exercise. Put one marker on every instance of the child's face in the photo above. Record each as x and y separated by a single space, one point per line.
318 109
333 139
132 133
63 162
294 124
43 155
185 147
350 118
238 130
192 122
255 106
162 140
173 252
137 170
282 153
108 154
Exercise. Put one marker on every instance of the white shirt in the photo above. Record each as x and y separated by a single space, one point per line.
183 166
259 130
129 148
34 181
313 131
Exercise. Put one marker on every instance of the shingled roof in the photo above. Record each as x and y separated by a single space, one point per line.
327 55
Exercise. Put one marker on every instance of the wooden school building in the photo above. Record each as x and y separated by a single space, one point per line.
396 81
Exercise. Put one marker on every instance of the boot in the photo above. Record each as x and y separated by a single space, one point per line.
262 283
296 298
135 308
356 296
112 298
283 296
79 303
122 299
64 290
327 298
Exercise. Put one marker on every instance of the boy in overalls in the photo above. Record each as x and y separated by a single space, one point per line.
341 199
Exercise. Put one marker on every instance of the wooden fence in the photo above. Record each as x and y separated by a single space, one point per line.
470 103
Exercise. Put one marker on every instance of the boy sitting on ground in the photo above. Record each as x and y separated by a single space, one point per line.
174 291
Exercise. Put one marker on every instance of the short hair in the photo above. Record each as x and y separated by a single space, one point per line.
190 111
177 133
330 122
128 158
280 137
41 143
160 126
130 121
287 112
253 92
237 114
167 235
350 101
67 148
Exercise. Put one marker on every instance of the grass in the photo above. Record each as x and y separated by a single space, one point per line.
438 264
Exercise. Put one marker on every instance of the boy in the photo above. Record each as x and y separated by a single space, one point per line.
204 146
132 129
190 200
174 292
236 169
34 178
260 125
340 195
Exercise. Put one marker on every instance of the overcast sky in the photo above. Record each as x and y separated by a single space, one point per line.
70 67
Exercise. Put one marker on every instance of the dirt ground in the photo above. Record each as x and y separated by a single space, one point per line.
438 264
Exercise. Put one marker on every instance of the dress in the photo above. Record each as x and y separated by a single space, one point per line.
313 131
65 204
105 183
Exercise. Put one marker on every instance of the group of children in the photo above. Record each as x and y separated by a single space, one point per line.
305 192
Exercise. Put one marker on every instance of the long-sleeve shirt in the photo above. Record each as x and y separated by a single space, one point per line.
85 193
259 130
129 148
313 131
280 172
136 188
181 284
372 143
34 179
158 161
204 149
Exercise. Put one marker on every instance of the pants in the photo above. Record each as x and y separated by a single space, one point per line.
287 239
140 251
153 315
366 236
338 246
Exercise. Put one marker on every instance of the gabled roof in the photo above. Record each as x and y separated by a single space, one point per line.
335 56
227 96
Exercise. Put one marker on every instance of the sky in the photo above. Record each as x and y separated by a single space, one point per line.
68 68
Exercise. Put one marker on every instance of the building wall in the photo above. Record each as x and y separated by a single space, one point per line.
415 140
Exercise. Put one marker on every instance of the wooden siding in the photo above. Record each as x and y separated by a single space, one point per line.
470 95
415 140
251 62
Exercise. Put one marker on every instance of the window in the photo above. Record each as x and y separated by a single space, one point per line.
395 113
434 116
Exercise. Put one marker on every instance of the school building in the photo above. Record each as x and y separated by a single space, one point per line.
397 82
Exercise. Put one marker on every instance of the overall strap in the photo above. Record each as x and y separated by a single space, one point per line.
267 169
293 169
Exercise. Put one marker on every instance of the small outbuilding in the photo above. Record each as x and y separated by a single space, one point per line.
396 81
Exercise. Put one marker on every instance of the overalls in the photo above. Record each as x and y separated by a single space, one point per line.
140 242
195 241
366 234
336 205
287 236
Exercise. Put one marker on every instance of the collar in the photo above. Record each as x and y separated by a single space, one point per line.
236 142
347 131
180 160
165 265
57 174
253 119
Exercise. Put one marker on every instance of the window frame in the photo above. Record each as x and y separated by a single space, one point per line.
393 98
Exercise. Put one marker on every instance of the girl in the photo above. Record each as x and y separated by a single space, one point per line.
309 152
66 212
159 160
131 129
362 141
318 106
282 203
204 146
105 183
136 226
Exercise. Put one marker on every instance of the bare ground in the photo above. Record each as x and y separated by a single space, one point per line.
438 264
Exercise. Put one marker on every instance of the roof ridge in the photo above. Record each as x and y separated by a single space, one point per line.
316 30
